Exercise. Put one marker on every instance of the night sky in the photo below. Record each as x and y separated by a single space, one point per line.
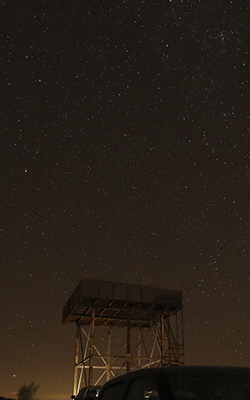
125 156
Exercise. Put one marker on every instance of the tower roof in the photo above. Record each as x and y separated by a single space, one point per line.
116 302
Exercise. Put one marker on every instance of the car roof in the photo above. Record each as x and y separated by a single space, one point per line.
159 373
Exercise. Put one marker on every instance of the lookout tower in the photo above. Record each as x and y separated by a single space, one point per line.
121 328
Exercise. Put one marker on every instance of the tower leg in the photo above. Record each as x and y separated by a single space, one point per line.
77 349
128 346
108 356
91 355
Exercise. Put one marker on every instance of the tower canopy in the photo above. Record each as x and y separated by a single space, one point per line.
117 302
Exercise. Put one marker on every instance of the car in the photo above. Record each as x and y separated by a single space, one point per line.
180 383
88 392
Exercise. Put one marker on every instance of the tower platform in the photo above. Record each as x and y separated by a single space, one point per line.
116 302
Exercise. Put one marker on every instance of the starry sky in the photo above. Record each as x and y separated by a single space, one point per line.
125 156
